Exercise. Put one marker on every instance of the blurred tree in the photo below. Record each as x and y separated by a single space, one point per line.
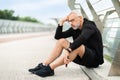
8 14
27 18
15 18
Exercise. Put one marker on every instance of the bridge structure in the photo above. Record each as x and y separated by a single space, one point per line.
107 19
15 60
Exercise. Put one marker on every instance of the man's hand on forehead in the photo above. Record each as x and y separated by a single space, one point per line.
66 18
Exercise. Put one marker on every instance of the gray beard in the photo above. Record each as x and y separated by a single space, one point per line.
76 27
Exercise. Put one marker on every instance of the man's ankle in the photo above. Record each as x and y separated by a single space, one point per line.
52 68
45 64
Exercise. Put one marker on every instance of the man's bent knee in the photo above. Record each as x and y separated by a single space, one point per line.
81 50
63 42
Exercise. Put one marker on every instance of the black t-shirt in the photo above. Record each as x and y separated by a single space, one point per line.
89 36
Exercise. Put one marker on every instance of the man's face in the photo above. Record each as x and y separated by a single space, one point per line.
74 20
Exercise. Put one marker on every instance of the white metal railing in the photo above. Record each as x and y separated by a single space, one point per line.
9 26
111 35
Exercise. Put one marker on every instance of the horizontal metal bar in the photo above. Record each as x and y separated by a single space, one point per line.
96 2
111 27
112 48
115 37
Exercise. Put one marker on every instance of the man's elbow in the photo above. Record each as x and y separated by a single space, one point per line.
56 37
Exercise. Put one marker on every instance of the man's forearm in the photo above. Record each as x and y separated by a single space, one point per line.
58 32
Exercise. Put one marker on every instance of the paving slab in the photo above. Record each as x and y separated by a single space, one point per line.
16 57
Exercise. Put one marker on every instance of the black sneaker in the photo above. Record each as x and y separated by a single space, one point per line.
44 72
38 67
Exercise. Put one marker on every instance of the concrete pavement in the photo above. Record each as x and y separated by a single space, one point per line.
16 57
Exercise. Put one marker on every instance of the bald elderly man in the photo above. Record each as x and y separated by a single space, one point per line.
86 48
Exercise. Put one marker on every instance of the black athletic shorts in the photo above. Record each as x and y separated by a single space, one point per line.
88 59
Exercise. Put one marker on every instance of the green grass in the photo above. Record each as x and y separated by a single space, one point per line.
108 58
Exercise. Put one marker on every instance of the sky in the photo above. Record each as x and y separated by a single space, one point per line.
42 10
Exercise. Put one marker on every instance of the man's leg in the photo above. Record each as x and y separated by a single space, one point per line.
49 69
60 61
60 45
